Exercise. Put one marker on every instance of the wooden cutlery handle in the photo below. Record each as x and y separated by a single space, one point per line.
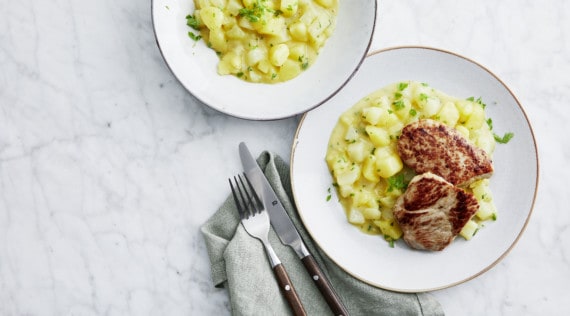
288 290
324 286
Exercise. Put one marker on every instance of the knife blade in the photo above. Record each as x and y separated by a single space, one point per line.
286 231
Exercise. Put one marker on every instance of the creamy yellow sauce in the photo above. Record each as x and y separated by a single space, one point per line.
266 41
363 158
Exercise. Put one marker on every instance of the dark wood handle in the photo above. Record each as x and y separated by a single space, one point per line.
288 290
324 286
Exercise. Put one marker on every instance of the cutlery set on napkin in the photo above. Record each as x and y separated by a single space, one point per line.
310 283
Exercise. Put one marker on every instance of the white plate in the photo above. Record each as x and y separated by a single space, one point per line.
402 269
194 64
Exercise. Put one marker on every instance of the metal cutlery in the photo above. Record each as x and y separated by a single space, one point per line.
255 220
286 231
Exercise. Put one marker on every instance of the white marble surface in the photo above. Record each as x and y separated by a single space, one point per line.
103 157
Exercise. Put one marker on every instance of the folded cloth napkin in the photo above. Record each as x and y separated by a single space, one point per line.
239 263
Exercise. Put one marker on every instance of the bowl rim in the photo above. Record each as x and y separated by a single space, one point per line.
253 117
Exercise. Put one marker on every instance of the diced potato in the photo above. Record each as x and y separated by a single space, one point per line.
318 25
351 134
364 199
278 54
256 55
290 69
348 176
486 210
389 228
369 169
485 140
378 135
371 213
430 106
218 41
388 163
372 114
289 7
357 151
469 230
355 217
465 109
265 66
230 63
233 7
476 119
274 26
481 190
212 17
235 32
298 31
448 114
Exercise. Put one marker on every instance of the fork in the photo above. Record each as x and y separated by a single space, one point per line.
255 220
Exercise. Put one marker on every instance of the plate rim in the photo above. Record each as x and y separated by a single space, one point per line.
253 117
528 215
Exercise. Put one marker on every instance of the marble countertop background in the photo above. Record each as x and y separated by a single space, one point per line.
103 152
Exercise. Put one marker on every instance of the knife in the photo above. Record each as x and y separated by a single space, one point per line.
285 229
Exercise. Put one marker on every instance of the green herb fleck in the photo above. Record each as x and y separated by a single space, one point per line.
397 182
505 139
239 74
194 36
402 86
490 124
192 22
390 241
398 105
423 97
413 112
304 62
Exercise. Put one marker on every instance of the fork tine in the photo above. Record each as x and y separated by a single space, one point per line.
257 199
239 204
243 194
254 208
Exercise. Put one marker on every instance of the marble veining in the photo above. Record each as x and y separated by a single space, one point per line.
108 167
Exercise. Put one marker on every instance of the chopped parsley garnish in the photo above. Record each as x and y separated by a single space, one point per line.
194 36
423 97
390 241
478 101
413 112
304 62
397 182
402 86
256 12
505 139
398 105
192 22
490 123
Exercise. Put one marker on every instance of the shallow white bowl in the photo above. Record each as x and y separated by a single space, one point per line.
195 65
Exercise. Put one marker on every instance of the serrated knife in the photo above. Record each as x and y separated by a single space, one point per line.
285 229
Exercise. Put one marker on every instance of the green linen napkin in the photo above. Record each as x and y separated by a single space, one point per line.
239 263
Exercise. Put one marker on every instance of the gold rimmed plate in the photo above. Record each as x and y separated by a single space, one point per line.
369 257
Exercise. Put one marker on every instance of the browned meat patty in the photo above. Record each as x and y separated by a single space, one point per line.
429 145
433 211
